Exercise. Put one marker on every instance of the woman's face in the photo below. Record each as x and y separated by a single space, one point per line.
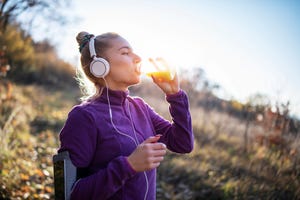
124 65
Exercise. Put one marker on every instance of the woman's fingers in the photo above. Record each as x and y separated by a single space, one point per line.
157 159
158 146
148 154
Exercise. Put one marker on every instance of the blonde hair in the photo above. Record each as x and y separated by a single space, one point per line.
90 85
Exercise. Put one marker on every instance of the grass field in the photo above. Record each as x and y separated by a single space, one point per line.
220 167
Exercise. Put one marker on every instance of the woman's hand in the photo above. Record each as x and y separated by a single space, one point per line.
147 155
167 86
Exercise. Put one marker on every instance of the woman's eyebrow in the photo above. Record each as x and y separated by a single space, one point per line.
125 47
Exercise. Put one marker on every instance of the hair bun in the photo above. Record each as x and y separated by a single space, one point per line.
83 38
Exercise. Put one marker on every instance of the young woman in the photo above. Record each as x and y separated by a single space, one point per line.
115 140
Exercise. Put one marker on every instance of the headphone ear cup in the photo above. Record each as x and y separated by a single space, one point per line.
99 67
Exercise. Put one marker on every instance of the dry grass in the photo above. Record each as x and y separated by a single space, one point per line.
29 123
218 168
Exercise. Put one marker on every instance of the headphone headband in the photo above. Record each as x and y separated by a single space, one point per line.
92 47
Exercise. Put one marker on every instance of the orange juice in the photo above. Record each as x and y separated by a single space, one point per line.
158 68
161 75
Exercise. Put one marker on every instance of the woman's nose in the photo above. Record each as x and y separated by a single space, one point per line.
137 58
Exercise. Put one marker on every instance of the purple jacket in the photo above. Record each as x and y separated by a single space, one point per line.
100 151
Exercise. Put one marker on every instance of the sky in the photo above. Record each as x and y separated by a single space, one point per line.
246 46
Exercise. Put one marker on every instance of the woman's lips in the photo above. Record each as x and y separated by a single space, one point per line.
138 69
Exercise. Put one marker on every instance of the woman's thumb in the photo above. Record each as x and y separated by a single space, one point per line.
152 139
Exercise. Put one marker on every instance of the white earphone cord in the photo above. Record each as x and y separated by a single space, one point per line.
123 134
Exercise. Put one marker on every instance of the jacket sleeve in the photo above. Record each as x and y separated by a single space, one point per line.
79 136
178 134
105 183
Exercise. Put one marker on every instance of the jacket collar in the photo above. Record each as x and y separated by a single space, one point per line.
116 97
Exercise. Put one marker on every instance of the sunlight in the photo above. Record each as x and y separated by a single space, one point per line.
235 48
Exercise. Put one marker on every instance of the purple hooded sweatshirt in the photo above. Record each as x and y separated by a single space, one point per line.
100 147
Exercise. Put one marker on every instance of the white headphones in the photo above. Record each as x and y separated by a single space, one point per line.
99 67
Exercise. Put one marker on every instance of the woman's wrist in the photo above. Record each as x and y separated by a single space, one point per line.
130 165
175 94
173 91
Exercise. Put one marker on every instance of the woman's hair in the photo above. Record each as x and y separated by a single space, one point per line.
90 85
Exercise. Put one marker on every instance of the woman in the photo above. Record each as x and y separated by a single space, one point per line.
115 140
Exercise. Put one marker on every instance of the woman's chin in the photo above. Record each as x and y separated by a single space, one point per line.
137 80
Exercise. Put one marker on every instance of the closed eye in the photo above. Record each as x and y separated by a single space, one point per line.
125 50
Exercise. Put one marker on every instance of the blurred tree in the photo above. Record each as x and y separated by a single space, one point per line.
50 69
255 105
4 68
259 102
192 82
19 50
28 11
33 62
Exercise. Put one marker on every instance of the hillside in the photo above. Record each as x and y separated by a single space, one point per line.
218 168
